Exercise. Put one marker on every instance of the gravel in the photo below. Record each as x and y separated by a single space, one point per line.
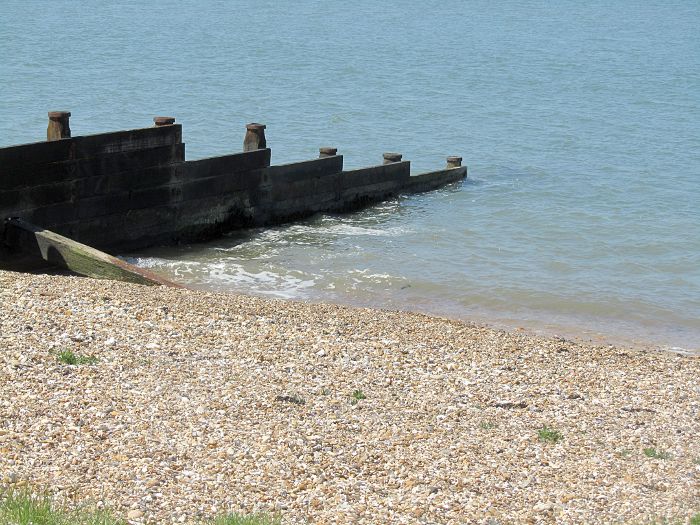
202 403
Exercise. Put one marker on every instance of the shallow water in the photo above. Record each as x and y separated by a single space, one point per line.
580 125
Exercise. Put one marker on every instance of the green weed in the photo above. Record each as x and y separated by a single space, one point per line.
651 452
23 507
357 395
549 434
68 357
248 519
694 520
26 508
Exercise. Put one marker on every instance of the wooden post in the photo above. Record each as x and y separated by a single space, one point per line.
327 152
254 137
59 127
454 162
163 121
390 158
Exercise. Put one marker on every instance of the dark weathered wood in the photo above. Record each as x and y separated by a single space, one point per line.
109 165
128 140
32 154
79 258
226 164
88 146
434 179
321 167
399 171
132 189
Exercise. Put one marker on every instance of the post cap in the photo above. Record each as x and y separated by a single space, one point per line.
163 121
254 126
59 114
393 157
327 150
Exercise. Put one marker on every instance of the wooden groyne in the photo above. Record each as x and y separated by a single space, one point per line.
132 189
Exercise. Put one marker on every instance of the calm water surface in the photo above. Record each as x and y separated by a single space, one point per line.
580 123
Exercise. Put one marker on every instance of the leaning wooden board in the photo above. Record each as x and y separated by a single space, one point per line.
74 256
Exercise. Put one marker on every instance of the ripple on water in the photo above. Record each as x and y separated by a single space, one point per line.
579 124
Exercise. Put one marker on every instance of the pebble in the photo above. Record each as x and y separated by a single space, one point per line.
447 432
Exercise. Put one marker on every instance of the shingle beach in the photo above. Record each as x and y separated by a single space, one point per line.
198 404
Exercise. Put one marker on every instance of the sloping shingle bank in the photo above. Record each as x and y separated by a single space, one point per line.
201 403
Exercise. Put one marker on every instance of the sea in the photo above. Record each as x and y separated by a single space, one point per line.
579 122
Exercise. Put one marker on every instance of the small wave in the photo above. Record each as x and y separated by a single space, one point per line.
376 276
680 350
265 282
347 229
157 262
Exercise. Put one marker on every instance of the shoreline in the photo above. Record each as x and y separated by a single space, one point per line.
533 327
198 403
566 328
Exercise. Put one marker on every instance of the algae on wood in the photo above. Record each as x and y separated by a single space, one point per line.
74 256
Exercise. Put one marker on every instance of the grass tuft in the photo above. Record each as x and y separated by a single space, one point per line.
487 425
651 452
693 520
550 435
68 357
26 508
357 395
